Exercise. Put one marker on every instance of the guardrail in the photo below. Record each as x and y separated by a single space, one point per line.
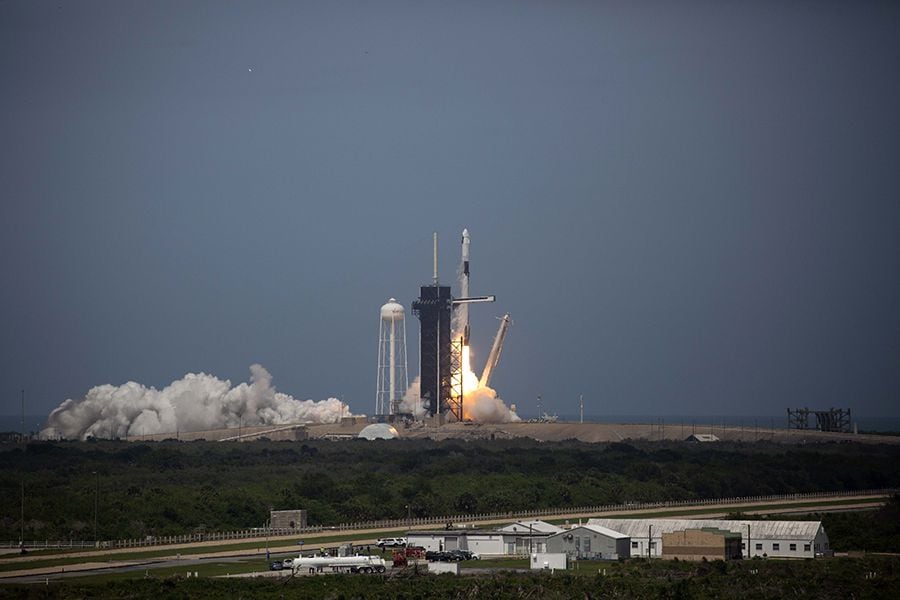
261 532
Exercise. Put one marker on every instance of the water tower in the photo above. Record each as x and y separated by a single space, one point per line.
392 379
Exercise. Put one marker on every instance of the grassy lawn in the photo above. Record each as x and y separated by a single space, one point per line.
211 569
284 546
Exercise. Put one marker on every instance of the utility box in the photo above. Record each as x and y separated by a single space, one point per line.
549 561
444 567
287 519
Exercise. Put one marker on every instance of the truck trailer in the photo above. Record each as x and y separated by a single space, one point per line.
339 564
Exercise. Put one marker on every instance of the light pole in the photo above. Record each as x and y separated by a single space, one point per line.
530 536
748 540
408 523
96 504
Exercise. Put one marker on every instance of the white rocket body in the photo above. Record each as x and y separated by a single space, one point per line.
464 288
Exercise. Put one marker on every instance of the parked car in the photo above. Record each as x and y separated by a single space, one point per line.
390 542
448 555
436 555
276 566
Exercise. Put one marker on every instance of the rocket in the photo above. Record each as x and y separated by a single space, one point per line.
464 287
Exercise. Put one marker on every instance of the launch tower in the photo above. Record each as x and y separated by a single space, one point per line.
437 367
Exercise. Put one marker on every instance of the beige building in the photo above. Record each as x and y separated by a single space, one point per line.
287 519
699 544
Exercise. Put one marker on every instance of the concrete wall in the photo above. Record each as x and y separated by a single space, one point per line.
696 544
550 561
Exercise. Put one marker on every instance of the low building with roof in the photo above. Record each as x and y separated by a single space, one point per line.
533 526
589 542
782 539
708 543
519 538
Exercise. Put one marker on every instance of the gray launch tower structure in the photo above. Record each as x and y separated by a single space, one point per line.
434 307
439 365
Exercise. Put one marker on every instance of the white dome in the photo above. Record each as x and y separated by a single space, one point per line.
392 311
379 431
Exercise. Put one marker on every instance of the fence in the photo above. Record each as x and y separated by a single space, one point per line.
261 532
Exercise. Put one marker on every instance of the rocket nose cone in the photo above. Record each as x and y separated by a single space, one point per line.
465 233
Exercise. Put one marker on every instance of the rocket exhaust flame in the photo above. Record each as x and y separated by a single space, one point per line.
479 402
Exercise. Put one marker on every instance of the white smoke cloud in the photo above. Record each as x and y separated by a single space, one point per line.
483 406
196 402
480 406
412 402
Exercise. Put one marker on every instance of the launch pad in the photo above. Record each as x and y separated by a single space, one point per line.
441 349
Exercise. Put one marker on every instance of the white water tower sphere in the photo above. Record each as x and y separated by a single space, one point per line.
392 379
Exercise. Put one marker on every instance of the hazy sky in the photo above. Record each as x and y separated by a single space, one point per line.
687 208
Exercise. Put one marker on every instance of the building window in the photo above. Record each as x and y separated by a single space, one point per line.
793 547
806 547
587 545
653 545
776 547
634 545
743 545
759 546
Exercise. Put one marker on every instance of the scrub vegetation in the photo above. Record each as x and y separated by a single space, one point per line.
169 488
866 578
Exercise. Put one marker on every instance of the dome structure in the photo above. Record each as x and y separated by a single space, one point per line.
392 311
378 431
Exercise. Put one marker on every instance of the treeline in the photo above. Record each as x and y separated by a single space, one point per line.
170 488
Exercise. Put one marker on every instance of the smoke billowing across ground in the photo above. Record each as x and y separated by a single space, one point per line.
481 405
196 402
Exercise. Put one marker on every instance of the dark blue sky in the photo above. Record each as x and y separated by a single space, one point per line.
688 208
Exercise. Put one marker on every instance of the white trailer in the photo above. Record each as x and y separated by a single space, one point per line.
339 564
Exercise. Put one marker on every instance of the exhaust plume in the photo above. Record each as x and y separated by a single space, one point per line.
196 402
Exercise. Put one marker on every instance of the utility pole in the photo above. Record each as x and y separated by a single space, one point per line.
748 541
24 448
650 543
96 505
22 543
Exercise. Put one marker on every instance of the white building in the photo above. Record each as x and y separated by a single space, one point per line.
520 538
779 539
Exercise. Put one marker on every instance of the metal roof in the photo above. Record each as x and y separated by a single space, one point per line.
702 437
776 530
538 526
605 531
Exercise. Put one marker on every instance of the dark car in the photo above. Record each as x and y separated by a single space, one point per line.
276 566
434 555
457 555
